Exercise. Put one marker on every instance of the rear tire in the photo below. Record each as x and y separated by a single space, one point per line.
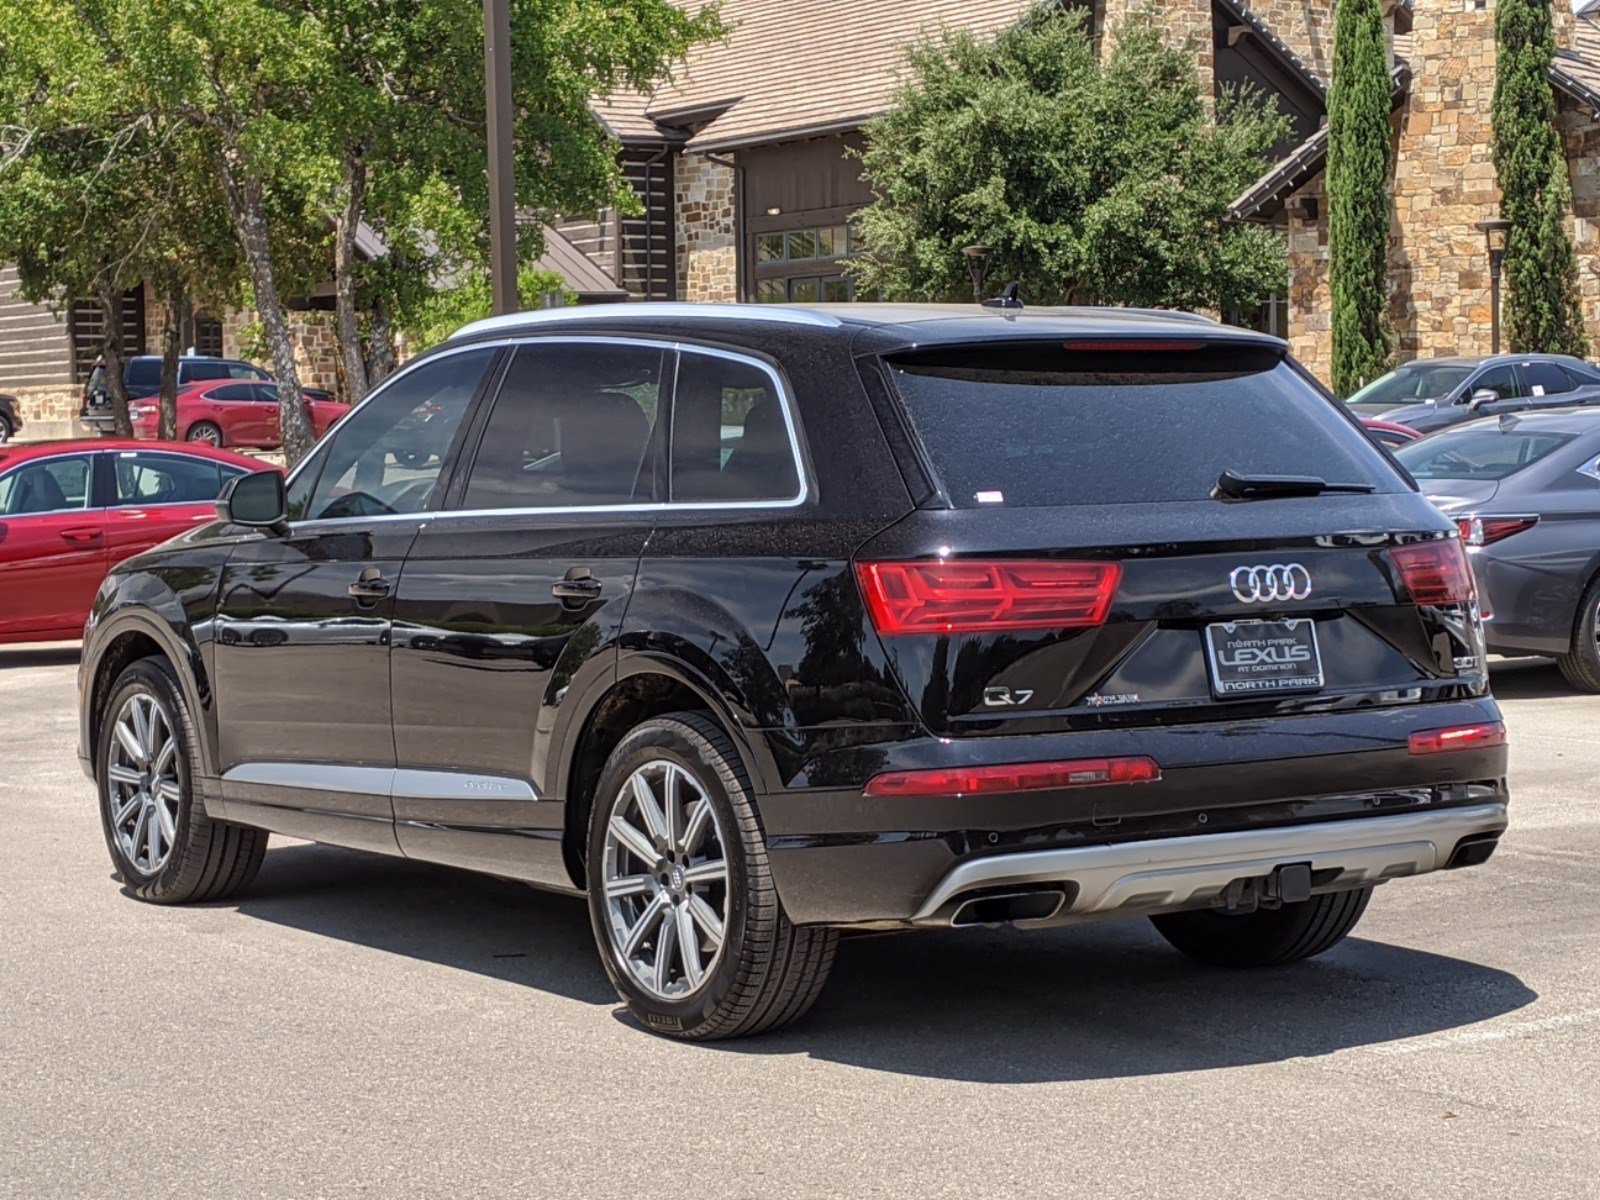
1580 666
1267 937
656 882
206 433
189 857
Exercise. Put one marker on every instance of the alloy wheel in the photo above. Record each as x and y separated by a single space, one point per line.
665 873
142 788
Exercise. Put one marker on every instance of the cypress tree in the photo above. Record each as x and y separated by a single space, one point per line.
1542 311
1360 159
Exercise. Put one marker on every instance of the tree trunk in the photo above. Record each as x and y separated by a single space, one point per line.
171 338
380 359
344 282
247 207
111 350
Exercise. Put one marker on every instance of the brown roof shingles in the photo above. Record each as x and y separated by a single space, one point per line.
801 66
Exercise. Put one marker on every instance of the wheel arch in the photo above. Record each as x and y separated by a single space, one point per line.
123 639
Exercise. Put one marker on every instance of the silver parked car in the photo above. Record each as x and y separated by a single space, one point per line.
1433 393
1524 489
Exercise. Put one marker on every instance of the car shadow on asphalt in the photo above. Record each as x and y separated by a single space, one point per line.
1529 679
50 656
995 1006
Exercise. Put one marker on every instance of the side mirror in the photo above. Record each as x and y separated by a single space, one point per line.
1483 396
256 501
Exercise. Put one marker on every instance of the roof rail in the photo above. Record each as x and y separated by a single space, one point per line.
650 310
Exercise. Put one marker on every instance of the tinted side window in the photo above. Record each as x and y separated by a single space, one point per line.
239 370
143 372
58 484
1545 379
196 371
232 391
730 439
385 457
143 478
1502 381
571 427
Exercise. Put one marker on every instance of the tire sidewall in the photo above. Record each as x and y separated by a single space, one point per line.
205 434
148 677
676 743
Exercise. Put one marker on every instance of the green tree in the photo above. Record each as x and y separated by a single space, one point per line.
1091 182
1360 160
1542 310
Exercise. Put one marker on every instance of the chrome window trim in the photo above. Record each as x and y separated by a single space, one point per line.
402 783
780 386
656 309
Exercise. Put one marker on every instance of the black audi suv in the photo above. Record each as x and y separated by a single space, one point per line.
758 624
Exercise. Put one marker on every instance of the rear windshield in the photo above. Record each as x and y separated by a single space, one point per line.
1478 453
1042 426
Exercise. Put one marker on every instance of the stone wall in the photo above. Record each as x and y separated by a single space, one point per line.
49 411
1580 132
1179 18
1444 185
1310 331
705 213
1306 27
316 346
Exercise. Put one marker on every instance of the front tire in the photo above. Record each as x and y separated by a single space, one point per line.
1267 937
163 845
681 896
1580 666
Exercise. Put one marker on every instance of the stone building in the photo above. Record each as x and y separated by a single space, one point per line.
743 162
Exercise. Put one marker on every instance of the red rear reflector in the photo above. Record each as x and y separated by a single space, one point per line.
1015 777
1133 345
1435 572
964 596
1458 737
1485 531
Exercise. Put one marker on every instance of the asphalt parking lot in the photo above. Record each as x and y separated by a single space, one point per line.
359 1026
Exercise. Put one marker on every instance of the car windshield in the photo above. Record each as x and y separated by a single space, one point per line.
1478 453
1039 425
1411 384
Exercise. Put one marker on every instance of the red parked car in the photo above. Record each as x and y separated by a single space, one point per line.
70 511
1389 433
232 412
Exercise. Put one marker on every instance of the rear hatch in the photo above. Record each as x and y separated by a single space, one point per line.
1083 561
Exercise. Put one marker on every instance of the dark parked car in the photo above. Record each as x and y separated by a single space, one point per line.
1525 491
755 624
1433 393
142 378
10 418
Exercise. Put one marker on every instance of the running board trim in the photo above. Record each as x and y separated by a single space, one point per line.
1187 872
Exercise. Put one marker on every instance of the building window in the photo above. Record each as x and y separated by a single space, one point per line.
1271 316
801 266
208 337
86 328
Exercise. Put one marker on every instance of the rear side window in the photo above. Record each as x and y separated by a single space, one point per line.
571 427
1037 426
143 372
231 391
730 435
196 371
143 478
1545 379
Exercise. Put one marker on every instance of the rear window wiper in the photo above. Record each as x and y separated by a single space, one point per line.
1231 485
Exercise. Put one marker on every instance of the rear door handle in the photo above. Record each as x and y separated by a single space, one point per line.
83 536
578 584
370 585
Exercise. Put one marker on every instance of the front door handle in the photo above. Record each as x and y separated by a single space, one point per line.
83 536
369 585
578 584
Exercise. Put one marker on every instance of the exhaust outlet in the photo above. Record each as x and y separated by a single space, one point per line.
1004 908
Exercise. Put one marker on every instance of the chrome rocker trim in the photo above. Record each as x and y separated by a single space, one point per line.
1192 872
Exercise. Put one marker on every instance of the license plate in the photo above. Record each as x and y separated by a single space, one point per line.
1263 657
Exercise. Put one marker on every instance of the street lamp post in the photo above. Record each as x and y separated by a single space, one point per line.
502 182
978 264
1494 236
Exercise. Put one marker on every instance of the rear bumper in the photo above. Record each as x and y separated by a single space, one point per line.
1169 874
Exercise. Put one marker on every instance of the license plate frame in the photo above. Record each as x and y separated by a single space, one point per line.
1272 666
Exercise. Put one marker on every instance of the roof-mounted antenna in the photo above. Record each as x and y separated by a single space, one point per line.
1010 297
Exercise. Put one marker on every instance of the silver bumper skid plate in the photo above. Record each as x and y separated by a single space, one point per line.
1191 872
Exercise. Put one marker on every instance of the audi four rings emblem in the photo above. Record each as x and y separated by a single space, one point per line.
1276 581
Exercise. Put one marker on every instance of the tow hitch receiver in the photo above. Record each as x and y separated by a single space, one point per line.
1288 884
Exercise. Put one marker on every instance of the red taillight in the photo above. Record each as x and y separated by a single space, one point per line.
1435 572
1458 737
964 596
1485 531
1014 777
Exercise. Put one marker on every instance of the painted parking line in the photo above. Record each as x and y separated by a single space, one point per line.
1497 1033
